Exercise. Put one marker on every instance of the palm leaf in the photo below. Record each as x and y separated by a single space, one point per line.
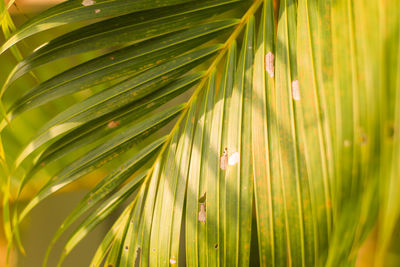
131 28
219 114
73 11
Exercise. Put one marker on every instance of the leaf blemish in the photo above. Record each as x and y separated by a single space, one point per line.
97 11
363 139
137 260
328 204
88 2
113 124
216 246
172 260
295 90
224 159
269 64
234 158
202 213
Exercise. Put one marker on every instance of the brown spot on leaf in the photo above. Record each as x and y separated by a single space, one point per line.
113 124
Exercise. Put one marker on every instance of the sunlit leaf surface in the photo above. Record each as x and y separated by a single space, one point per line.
229 129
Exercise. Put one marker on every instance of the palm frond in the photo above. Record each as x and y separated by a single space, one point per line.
218 114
